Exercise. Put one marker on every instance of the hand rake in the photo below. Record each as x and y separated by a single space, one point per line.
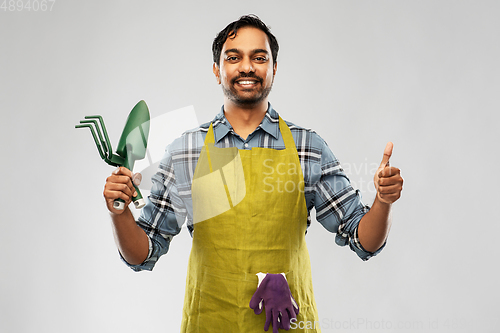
131 147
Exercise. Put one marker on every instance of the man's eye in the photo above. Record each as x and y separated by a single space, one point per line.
260 59
233 58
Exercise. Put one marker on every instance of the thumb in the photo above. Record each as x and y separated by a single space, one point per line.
137 179
387 155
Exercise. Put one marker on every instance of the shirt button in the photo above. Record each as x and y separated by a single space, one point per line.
246 144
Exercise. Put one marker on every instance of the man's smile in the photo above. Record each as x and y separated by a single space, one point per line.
246 82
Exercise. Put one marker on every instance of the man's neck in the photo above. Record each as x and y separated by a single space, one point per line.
244 120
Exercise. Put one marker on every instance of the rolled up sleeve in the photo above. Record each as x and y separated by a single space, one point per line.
163 215
339 207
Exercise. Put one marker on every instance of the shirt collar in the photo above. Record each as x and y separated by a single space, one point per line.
270 124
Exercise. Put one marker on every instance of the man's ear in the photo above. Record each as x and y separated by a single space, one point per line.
275 68
216 72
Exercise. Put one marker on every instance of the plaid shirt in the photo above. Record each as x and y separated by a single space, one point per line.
338 206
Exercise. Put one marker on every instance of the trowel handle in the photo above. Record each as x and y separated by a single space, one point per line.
139 202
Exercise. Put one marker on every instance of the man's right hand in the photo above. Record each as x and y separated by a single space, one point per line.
120 185
131 240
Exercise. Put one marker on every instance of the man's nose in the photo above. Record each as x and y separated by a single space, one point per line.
246 65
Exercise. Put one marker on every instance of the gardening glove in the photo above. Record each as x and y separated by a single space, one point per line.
274 295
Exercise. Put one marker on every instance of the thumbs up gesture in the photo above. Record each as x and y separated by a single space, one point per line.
387 179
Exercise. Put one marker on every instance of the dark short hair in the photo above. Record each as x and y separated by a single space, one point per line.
231 30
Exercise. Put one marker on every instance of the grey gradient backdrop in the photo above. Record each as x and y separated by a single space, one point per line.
423 74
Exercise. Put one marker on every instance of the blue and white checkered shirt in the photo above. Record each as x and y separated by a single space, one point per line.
327 189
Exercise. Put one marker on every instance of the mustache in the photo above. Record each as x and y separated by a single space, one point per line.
249 75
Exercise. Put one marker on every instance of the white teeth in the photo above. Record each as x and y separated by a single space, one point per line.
246 82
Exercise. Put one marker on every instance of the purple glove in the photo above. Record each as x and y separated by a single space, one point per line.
280 305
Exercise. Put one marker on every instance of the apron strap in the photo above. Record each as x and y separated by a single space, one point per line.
210 138
287 135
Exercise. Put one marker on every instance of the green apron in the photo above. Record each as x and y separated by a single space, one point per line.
250 216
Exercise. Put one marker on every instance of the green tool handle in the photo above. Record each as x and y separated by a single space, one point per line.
139 202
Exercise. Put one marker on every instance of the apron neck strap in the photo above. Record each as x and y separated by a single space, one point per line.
284 130
210 135
287 135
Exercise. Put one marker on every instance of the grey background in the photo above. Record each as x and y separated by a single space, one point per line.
423 74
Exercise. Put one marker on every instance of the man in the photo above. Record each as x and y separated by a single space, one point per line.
246 183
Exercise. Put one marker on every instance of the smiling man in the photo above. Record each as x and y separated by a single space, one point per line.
245 68
246 183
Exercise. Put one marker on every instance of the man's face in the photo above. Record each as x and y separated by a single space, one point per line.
246 70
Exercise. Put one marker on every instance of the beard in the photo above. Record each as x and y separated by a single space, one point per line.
256 97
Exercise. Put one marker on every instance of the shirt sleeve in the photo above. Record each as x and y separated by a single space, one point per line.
163 215
338 206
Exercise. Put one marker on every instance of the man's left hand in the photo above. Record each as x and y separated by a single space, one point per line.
388 180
